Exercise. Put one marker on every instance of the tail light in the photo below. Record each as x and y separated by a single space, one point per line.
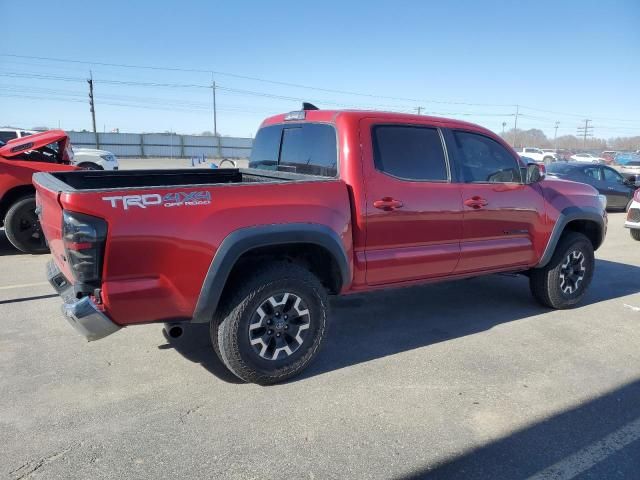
84 238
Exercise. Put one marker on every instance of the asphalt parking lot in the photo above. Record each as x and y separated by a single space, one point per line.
469 379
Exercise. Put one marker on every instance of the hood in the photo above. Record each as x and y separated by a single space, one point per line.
561 193
17 146
91 151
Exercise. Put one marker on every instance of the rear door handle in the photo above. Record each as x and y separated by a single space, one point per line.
476 202
387 204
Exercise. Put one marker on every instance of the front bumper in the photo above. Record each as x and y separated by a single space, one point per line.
81 313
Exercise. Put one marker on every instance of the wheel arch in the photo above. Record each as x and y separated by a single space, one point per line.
316 246
588 221
11 196
88 163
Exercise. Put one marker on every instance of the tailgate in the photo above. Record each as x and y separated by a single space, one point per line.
50 214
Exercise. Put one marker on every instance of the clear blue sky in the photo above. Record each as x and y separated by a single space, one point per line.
577 58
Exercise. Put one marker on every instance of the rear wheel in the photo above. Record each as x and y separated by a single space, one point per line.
273 326
564 280
635 233
22 227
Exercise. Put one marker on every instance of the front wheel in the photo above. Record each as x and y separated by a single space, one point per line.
22 227
273 326
564 280
635 233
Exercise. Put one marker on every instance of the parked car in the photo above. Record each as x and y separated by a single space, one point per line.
618 190
586 157
335 202
552 152
628 164
94 159
564 155
87 158
537 154
20 158
608 156
633 217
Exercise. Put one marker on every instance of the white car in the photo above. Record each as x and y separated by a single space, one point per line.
586 157
93 159
537 155
88 158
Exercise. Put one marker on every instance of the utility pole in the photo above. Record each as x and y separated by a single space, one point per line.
555 135
515 127
586 131
215 115
92 107
419 110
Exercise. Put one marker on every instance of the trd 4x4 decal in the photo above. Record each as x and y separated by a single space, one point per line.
177 199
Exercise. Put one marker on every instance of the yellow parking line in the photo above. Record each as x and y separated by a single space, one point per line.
24 285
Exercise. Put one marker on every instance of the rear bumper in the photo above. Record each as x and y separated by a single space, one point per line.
82 313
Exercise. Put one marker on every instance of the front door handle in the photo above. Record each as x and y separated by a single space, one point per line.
387 204
476 202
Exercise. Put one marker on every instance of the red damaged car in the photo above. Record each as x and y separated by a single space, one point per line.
19 159
334 202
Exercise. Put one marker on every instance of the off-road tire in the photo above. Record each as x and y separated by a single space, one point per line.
21 211
635 233
546 282
230 326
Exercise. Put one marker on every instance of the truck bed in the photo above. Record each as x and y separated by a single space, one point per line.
164 227
136 179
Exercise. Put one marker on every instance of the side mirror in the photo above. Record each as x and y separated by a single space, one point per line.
631 180
536 172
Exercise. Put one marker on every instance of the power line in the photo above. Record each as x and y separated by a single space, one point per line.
586 131
257 79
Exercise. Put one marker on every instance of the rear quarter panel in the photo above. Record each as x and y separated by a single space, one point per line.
157 257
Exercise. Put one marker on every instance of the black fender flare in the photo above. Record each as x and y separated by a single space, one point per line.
567 215
241 241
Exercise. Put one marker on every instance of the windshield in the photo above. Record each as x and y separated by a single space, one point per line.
626 158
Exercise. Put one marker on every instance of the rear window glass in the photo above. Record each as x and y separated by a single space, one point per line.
559 168
308 148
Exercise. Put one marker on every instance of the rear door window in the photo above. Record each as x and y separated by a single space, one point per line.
410 152
308 148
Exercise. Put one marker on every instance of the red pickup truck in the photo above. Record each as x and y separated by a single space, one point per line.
20 158
334 202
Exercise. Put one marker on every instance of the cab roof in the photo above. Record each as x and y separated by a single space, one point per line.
332 116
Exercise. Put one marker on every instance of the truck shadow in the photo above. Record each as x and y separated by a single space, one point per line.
368 326
5 246
596 439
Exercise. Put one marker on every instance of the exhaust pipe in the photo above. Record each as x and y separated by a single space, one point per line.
173 330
